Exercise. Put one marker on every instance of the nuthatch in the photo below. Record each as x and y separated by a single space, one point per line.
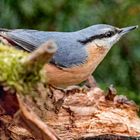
78 53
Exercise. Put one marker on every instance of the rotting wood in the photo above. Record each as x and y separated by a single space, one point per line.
53 113
83 115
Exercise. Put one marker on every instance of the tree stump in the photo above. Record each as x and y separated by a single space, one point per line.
81 115
77 113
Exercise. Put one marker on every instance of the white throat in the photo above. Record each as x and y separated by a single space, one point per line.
107 42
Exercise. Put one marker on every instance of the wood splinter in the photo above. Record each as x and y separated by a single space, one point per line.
41 55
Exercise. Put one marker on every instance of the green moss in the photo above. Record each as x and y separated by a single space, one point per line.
14 74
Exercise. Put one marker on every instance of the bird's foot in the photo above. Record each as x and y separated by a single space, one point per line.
76 89
91 82
51 87
69 90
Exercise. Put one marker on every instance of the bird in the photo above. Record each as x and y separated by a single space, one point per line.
78 54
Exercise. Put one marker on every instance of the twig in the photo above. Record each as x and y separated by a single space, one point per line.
41 55
34 124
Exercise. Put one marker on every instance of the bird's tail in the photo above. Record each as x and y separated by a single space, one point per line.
4 30
3 38
7 40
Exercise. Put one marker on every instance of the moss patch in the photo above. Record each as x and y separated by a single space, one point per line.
14 74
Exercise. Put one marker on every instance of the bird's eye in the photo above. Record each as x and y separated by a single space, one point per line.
109 34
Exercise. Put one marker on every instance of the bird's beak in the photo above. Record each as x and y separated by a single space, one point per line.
127 29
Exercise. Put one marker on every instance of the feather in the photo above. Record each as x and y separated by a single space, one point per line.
70 52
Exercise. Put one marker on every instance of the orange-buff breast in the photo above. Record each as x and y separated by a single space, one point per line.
70 76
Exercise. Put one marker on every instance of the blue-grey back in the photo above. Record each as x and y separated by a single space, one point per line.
70 52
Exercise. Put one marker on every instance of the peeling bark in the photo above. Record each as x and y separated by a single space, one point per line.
83 115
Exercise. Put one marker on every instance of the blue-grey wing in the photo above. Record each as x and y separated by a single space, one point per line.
28 40
70 52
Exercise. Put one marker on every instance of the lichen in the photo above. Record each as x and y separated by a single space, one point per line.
14 74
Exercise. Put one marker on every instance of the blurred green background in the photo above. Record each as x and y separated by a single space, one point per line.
121 67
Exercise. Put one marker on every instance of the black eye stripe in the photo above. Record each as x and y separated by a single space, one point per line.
100 36
87 40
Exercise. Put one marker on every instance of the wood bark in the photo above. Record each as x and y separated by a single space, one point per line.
66 114
83 115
